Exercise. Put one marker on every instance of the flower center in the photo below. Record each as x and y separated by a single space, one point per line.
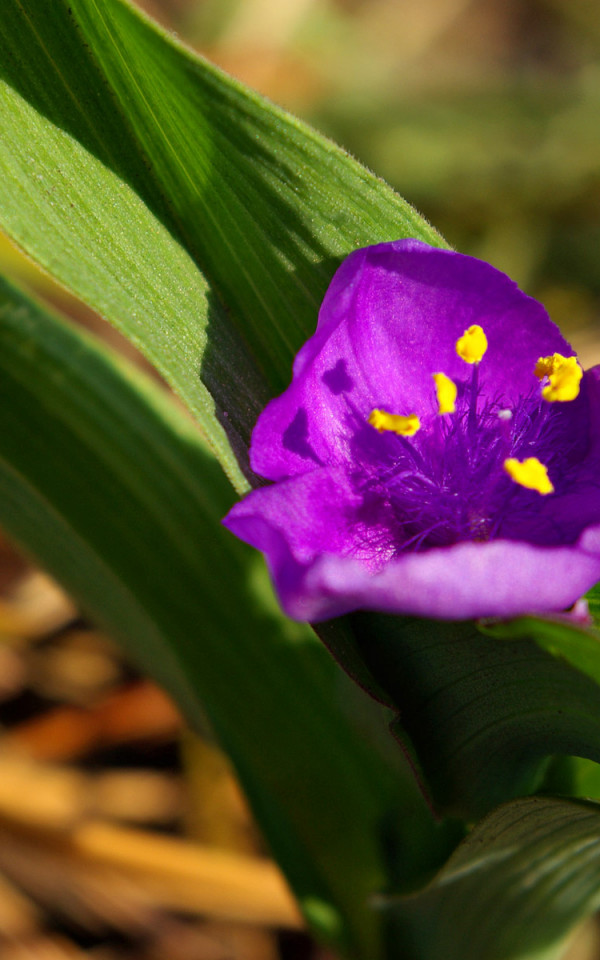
458 477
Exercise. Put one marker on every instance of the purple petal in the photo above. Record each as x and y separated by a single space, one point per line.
499 578
307 529
390 319
313 512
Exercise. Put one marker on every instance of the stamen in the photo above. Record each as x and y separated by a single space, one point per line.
395 422
472 345
530 474
446 393
547 365
564 374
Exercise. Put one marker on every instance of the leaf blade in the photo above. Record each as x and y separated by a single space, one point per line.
514 888
105 481
263 206
483 715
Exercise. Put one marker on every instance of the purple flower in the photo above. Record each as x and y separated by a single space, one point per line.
437 452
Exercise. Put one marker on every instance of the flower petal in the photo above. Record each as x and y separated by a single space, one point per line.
314 513
307 529
390 320
500 578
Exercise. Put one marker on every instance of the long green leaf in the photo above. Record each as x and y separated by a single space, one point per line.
201 220
513 889
111 488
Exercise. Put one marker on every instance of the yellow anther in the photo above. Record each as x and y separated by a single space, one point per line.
547 365
403 426
446 393
529 473
472 345
564 375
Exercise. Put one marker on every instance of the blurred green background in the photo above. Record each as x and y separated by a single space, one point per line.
484 114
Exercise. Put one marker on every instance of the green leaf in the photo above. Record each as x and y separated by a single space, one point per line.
482 715
104 480
593 599
513 889
197 217
563 637
579 645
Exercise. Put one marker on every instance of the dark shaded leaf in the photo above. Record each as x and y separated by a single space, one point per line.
513 889
482 714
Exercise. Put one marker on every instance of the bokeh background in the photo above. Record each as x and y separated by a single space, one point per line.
485 115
